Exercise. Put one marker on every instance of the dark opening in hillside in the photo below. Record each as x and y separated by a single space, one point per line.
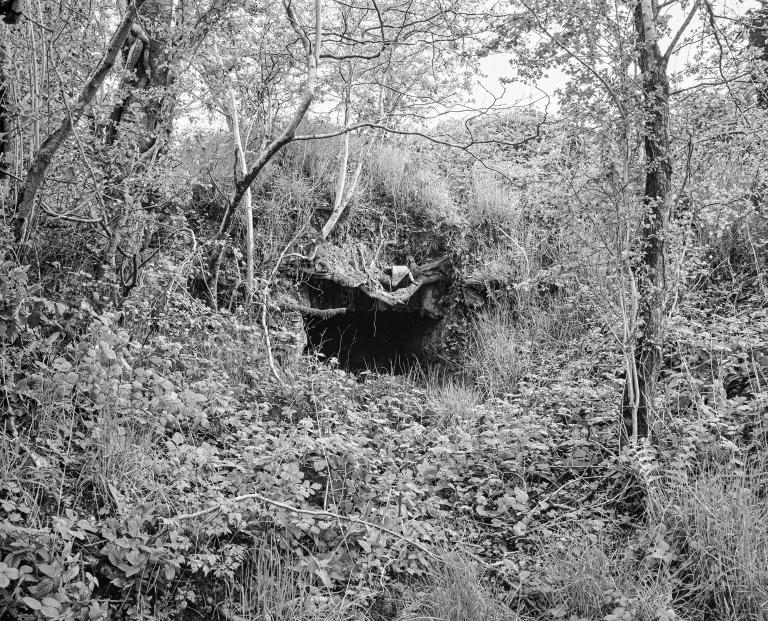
385 341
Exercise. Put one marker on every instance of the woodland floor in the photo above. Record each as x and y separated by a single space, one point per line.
171 476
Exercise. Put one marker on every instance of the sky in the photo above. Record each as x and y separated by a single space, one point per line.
498 66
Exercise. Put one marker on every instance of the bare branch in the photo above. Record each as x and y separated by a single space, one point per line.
404 132
321 313
679 33
723 82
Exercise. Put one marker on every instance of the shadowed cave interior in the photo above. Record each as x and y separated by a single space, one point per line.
378 340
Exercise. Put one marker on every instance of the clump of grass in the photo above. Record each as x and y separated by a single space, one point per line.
582 577
270 584
505 338
453 398
455 591
704 554
556 319
493 203
121 462
499 351
25 476
410 187
596 576
717 523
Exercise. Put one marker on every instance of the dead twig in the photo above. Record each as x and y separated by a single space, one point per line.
322 313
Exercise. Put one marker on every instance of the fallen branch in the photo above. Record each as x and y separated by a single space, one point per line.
313 512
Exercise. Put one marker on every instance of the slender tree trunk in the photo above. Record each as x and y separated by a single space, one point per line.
147 83
758 41
34 91
650 266
312 58
247 202
25 208
344 189
5 103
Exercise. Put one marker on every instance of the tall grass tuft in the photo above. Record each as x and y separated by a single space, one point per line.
718 522
505 338
498 355
410 188
493 203
703 554
24 473
455 592
599 577
122 462
453 398
271 585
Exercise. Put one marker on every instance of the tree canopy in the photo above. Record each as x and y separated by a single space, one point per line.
303 316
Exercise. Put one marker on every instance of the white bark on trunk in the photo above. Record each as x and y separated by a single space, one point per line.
247 200
344 191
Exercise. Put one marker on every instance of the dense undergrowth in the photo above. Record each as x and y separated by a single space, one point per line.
165 472
171 449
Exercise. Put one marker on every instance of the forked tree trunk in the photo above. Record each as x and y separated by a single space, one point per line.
25 208
148 79
312 58
639 391
148 76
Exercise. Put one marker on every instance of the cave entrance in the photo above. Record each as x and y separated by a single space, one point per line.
376 340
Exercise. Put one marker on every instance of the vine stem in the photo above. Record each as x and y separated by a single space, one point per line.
312 512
